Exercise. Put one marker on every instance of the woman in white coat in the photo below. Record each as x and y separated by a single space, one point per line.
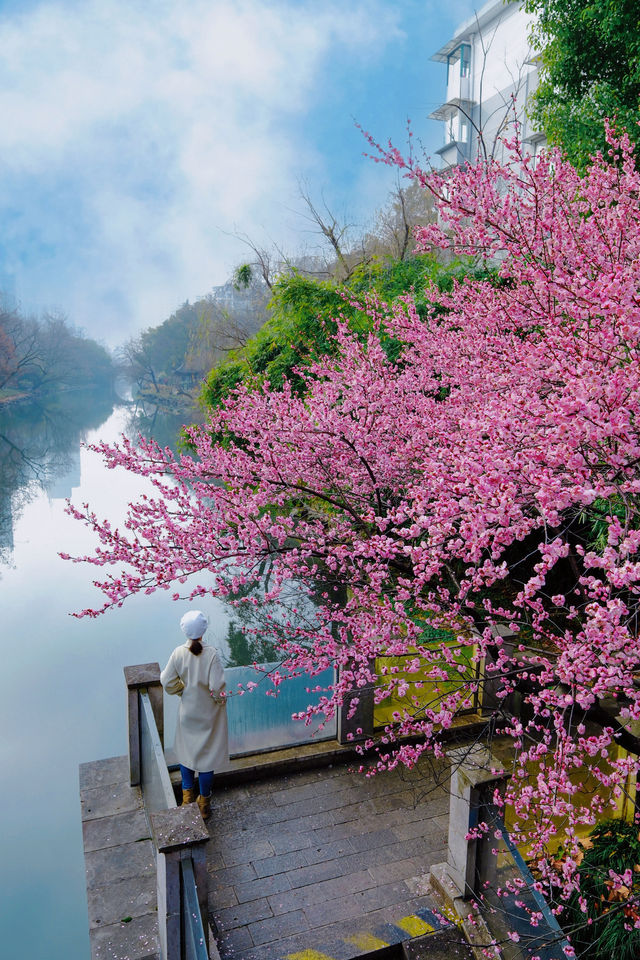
194 672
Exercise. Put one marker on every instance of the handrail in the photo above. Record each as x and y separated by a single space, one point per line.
547 939
194 935
164 797
541 903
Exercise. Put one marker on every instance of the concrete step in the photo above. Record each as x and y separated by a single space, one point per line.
443 945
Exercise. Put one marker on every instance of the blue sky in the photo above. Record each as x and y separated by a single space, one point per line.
138 137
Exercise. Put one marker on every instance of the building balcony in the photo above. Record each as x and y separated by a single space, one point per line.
451 108
453 153
458 88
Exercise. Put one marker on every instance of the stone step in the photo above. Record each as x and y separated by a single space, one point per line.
442 945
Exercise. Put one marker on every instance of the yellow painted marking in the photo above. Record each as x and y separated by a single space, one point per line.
451 916
414 925
308 955
366 942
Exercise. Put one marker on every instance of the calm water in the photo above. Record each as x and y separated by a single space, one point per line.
63 696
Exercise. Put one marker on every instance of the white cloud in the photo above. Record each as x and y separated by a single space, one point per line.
134 133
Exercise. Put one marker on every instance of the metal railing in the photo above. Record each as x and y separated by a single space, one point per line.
484 867
193 932
510 902
179 833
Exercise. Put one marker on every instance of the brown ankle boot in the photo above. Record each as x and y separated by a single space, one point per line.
205 807
188 795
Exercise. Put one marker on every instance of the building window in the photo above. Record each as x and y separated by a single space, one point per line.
465 60
459 62
456 129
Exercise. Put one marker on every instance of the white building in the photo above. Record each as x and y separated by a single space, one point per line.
491 72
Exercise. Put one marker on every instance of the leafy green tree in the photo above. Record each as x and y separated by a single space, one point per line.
242 277
160 351
93 364
590 71
170 359
169 342
302 320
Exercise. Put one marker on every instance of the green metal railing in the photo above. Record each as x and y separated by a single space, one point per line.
509 898
193 932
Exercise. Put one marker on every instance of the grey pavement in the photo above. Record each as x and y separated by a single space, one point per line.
320 864
326 863
119 863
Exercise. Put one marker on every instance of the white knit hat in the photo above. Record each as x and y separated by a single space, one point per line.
194 624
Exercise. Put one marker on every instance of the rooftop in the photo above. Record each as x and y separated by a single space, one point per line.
475 24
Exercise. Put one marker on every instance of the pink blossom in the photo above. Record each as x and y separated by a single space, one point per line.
460 487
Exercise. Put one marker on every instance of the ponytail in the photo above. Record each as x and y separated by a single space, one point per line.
196 648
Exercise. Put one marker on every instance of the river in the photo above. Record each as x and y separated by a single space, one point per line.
63 696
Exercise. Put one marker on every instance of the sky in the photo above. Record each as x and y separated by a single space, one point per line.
139 138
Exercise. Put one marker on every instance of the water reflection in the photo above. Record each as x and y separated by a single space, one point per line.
40 445
162 421
65 701
40 451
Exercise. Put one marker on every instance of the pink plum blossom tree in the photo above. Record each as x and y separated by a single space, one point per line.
482 478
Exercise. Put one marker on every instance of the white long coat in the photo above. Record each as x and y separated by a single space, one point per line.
201 732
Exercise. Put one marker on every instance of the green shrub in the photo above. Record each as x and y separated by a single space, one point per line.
606 931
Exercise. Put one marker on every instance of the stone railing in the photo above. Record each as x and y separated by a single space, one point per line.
179 833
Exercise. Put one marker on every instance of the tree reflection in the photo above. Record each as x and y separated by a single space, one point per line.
259 629
163 421
40 451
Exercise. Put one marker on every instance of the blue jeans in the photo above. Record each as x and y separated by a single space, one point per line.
205 779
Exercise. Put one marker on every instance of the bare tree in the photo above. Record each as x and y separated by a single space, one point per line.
35 353
263 262
392 233
137 363
345 254
230 317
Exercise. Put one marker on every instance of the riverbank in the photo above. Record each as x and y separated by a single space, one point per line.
170 398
